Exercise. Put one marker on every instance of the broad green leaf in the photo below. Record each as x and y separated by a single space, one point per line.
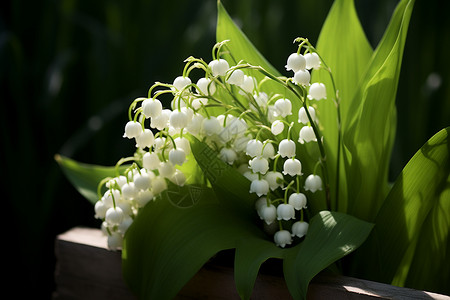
249 256
410 241
331 236
166 245
85 177
343 46
369 128
231 187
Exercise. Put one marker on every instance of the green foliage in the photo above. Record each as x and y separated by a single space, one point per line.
409 243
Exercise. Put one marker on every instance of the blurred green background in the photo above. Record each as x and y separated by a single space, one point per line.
70 68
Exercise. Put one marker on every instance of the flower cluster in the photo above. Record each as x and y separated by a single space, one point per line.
228 109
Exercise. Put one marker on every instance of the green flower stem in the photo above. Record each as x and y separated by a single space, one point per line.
121 161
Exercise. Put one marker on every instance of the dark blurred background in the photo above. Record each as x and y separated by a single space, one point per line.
70 68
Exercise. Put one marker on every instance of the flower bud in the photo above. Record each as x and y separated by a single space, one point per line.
181 82
145 139
277 127
254 148
151 161
142 181
228 155
248 84
268 213
114 216
177 156
275 179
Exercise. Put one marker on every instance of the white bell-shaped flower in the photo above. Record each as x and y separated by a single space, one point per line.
129 191
312 61
303 117
151 161
259 204
250 175
196 124
228 155
183 143
259 165
132 129
159 184
297 200
197 103
254 148
236 78
162 121
166 169
142 180
313 183
285 212
275 179
179 178
292 167
145 139
211 126
219 67
268 213
100 209
143 198
151 108
178 119
181 82
307 135
295 62
261 99
125 224
206 86
268 150
286 148
114 215
302 77
283 107
277 127
177 156
248 84
299 229
282 238
317 91
259 187
114 241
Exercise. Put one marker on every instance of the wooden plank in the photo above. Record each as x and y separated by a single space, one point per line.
87 270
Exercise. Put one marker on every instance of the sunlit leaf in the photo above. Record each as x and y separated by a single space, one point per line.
344 47
85 177
331 236
411 230
369 130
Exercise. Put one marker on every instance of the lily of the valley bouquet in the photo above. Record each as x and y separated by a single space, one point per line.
235 155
